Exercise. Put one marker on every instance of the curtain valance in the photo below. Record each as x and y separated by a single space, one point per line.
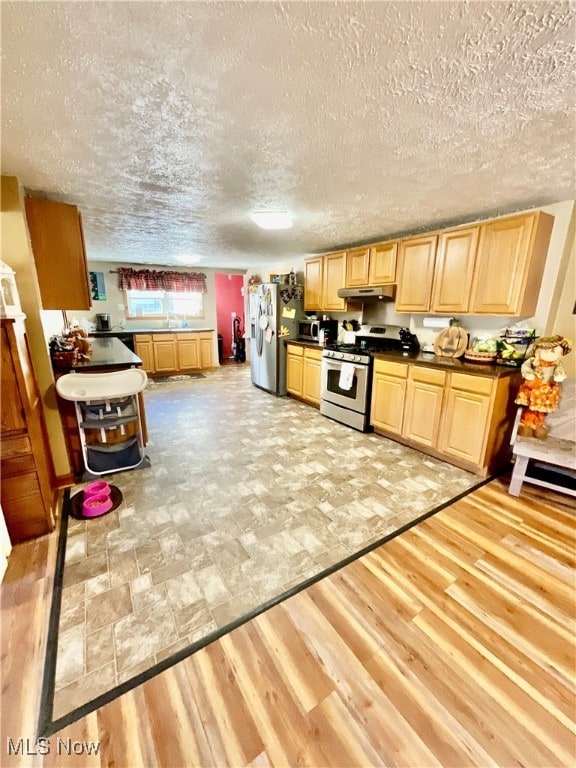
165 280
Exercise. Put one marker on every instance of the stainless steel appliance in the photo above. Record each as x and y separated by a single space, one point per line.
310 330
369 292
275 311
346 375
103 322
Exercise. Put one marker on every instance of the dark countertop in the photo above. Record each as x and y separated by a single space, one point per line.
124 331
421 358
450 363
302 343
108 353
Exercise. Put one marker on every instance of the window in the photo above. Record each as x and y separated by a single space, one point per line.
163 303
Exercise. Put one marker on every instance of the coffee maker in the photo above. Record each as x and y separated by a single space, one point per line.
103 322
409 341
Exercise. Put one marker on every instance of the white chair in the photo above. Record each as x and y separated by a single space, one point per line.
556 454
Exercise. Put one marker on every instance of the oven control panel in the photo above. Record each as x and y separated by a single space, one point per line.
347 357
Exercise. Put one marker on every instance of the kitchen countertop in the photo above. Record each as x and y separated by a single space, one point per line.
303 343
122 331
421 358
108 353
453 364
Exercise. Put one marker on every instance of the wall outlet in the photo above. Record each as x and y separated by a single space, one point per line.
121 322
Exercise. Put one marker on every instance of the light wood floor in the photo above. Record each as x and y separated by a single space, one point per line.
451 645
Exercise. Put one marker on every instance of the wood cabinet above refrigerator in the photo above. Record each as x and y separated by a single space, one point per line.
59 254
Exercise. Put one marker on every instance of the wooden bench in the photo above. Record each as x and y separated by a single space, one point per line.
557 453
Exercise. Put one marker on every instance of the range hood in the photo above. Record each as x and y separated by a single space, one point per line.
378 292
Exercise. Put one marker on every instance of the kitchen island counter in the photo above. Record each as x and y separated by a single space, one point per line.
108 353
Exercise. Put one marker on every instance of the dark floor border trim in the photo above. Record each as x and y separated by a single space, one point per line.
47 726
47 692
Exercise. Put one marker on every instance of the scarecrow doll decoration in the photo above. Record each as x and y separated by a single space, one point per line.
539 391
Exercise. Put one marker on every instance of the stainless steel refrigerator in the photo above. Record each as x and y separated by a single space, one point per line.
274 309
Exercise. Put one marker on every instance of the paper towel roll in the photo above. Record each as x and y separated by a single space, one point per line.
436 322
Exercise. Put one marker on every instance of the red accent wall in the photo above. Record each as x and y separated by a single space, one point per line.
229 299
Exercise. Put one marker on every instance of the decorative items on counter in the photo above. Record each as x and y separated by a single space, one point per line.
540 391
70 348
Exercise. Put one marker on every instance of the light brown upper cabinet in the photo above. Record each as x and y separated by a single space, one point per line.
334 278
453 271
371 265
357 267
59 254
324 275
416 259
511 257
383 263
313 283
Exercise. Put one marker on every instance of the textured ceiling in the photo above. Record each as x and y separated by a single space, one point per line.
168 123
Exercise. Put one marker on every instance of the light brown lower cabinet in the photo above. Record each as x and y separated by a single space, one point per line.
466 426
188 351
144 349
423 408
388 396
465 419
163 353
303 373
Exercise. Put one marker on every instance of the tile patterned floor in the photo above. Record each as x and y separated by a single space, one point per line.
247 496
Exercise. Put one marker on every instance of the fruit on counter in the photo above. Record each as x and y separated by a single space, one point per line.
485 345
508 352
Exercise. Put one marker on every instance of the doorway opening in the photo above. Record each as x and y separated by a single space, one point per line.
230 317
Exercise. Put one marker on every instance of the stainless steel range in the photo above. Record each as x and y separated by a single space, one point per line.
347 373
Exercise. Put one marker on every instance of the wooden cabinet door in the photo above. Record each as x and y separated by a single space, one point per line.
313 283
415 274
12 413
311 377
387 405
454 268
188 353
502 266
388 395
206 351
466 423
357 267
334 278
143 348
59 254
424 397
294 369
382 263
27 496
165 355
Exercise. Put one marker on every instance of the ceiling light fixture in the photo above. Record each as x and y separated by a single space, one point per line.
272 219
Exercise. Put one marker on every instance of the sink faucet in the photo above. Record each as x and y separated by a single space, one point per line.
173 321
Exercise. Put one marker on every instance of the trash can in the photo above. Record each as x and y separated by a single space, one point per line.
220 347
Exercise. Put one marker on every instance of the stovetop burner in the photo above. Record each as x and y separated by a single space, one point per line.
384 345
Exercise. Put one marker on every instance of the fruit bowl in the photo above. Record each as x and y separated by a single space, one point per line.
479 357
